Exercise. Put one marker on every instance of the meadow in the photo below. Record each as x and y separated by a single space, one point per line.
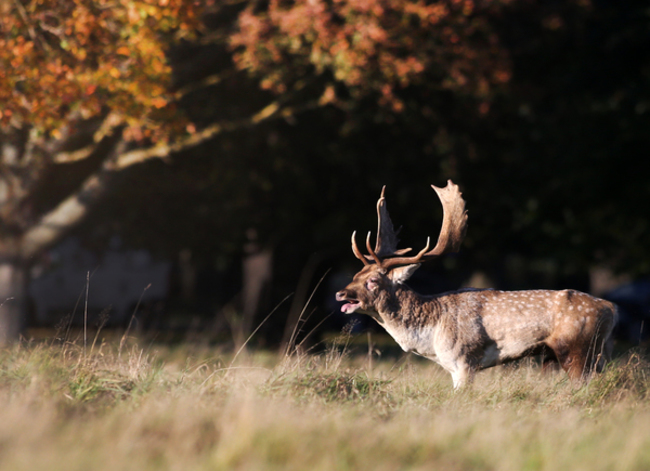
140 406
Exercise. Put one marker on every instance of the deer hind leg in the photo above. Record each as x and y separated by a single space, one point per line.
549 361
571 357
585 353
585 359
600 351
595 347
604 343
576 364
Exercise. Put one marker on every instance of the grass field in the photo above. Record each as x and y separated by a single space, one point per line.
155 408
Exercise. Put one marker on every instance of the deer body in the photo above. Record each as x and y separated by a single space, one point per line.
468 330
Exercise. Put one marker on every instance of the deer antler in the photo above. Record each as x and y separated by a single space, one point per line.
386 242
452 232
454 226
356 251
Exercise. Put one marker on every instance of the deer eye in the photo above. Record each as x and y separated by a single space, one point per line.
372 284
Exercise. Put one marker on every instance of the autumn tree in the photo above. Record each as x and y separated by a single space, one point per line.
88 83
278 94
373 47
79 81
86 91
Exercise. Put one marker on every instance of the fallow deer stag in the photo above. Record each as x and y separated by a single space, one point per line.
469 330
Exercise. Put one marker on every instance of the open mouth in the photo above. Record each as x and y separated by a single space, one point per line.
351 306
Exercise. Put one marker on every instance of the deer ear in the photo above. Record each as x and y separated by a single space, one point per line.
401 274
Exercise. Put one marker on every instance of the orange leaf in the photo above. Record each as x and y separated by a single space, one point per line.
158 102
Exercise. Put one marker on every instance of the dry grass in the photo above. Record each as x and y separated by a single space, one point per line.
188 410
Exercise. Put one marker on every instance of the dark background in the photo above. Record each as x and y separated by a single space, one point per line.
555 175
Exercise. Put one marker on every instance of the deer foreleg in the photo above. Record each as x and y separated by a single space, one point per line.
462 375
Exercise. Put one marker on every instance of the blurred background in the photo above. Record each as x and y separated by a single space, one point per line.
194 167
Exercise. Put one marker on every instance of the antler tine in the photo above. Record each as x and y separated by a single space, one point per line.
454 223
356 251
452 232
372 252
386 244
423 252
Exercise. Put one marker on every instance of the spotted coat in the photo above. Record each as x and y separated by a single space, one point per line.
469 330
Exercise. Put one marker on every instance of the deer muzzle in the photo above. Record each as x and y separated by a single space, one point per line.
352 303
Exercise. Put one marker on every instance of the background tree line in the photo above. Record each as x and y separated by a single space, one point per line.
244 125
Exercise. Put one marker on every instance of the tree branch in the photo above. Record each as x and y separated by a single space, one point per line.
163 151
71 210
205 82
108 125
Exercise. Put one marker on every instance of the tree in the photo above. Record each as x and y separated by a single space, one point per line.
373 47
80 81
87 91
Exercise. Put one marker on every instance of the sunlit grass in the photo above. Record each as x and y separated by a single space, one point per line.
185 408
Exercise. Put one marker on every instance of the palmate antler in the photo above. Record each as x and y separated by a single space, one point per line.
452 233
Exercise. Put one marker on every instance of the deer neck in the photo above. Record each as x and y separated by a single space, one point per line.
407 316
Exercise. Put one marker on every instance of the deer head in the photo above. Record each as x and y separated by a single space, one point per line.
385 266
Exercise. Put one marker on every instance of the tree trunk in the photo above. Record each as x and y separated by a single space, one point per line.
257 276
13 298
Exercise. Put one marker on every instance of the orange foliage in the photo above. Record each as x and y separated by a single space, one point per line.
375 46
74 58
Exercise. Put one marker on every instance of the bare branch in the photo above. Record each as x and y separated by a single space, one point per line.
63 217
75 155
70 211
161 151
108 126
208 81
73 209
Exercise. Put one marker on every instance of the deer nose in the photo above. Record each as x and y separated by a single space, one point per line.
340 296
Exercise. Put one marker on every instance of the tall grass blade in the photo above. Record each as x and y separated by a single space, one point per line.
128 328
